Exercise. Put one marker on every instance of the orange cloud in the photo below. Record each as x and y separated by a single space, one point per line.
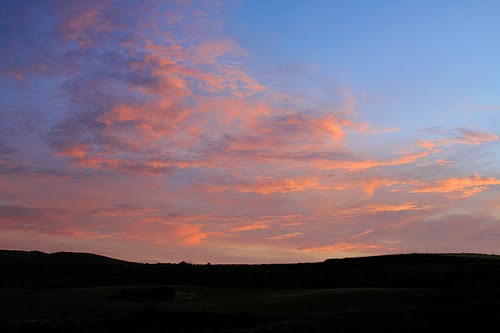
367 164
457 187
285 236
442 162
123 211
333 127
165 232
285 131
372 209
379 208
426 144
249 227
463 136
370 185
342 247
187 234
155 119
470 137
269 185
79 24
73 151
364 233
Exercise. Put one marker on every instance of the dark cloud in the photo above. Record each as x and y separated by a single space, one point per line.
49 220
6 151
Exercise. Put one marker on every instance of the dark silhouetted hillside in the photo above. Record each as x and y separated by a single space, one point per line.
21 269
37 257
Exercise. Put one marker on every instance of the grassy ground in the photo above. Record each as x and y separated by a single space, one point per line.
68 292
198 309
63 303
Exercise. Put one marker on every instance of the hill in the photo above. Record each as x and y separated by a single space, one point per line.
37 257
22 269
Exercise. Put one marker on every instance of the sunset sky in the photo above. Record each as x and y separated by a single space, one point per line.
250 131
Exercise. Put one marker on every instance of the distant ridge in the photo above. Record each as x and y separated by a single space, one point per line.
34 269
419 257
18 256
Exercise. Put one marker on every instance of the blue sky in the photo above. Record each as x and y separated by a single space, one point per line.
416 59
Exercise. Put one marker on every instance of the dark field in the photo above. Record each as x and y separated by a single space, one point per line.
68 292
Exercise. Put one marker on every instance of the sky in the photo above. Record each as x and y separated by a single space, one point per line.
250 131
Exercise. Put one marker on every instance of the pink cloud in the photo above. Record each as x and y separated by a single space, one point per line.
370 185
269 185
468 136
364 233
159 230
460 136
80 25
370 209
426 144
457 187
249 227
190 234
346 247
285 236
405 158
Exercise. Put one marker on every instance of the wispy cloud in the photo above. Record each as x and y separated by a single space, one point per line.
344 247
457 187
463 136
285 236
249 227
364 233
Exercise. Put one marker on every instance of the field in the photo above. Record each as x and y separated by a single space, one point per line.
386 292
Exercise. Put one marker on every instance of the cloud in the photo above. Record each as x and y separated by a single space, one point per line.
268 185
371 131
128 102
122 210
285 236
188 233
249 227
158 228
426 144
372 163
440 163
364 233
346 247
47 220
7 151
370 185
457 187
462 136
278 131
471 137
148 101
370 209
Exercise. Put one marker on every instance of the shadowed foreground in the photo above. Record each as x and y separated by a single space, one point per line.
83 292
